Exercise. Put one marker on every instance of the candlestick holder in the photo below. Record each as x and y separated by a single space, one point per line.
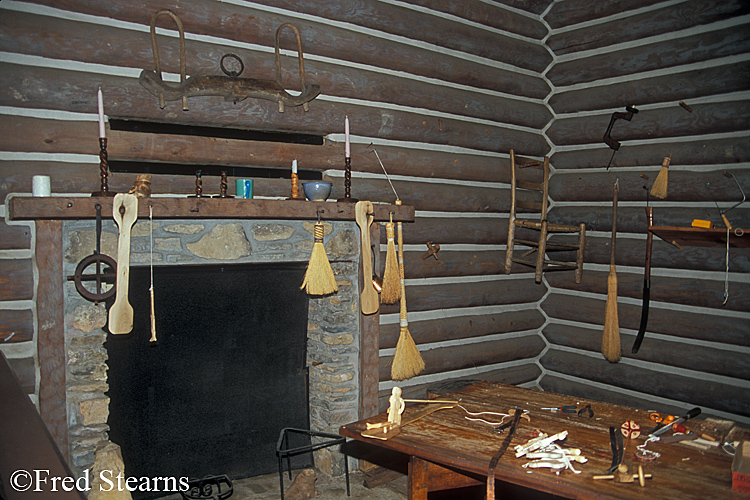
198 185
223 184
347 182
103 170
295 189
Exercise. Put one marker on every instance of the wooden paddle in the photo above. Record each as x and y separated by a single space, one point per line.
125 213
369 301
611 346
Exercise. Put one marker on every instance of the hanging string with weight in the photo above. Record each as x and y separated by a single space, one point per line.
151 289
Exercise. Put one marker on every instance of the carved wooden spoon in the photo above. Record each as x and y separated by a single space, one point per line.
369 300
125 213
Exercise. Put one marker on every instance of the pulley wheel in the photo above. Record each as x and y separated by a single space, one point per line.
105 273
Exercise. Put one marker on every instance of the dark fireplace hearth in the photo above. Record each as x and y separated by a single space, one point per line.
210 342
227 373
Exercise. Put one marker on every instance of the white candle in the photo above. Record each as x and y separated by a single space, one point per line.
347 149
102 133
294 166
40 185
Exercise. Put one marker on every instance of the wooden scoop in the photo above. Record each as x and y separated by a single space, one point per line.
125 213
369 300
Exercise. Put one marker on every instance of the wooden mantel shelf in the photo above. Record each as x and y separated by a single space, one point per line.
701 237
83 207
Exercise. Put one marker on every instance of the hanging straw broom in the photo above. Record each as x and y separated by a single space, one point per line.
391 277
407 361
659 189
611 347
319 278
391 292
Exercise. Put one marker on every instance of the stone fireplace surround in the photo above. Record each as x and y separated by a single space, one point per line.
334 322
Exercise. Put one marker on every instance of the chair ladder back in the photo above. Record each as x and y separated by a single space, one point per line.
545 192
528 201
513 184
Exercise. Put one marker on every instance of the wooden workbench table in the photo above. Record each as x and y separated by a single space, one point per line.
447 451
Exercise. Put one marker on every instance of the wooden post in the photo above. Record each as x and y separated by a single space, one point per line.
418 478
51 333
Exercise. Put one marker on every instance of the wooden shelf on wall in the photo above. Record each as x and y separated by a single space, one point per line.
83 207
700 237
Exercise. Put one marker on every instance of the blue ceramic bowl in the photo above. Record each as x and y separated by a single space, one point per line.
317 190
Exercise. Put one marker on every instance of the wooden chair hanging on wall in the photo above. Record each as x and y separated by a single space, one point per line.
532 199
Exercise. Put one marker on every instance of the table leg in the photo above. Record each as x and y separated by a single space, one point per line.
418 479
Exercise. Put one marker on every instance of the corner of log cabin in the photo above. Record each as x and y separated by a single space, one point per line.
437 94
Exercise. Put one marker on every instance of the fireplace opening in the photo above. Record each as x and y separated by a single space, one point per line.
227 372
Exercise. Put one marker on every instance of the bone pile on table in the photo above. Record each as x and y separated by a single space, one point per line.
545 452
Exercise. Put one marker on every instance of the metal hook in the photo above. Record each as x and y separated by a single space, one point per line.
157 64
299 59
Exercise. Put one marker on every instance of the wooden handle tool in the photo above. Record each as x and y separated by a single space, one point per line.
125 213
364 215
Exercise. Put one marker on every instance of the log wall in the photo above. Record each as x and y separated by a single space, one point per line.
442 90
652 55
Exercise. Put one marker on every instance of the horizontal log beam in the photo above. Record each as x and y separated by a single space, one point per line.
37 135
682 185
701 151
673 87
664 289
641 58
16 326
451 263
633 219
14 237
672 121
512 375
84 178
676 323
128 100
695 391
569 13
455 230
446 359
494 16
473 294
671 18
28 208
16 279
723 362
258 27
34 34
631 252
580 389
462 327
463 37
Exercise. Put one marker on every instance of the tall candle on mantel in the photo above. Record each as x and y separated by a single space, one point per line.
102 133
294 166
347 149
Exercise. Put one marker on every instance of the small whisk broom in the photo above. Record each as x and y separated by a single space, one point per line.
407 361
659 188
391 277
319 278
